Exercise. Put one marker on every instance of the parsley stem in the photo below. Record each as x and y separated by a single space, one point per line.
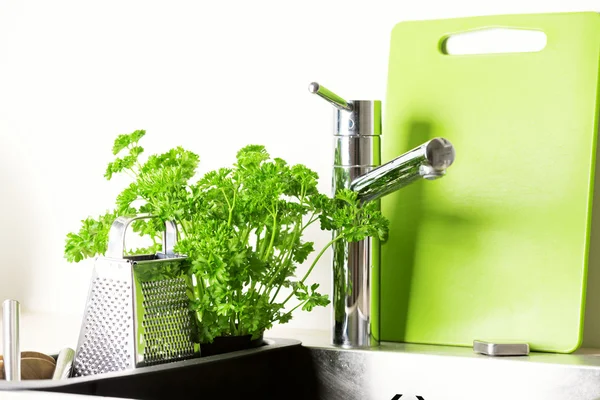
139 167
201 280
183 229
232 325
276 293
237 314
273 231
286 259
287 255
289 252
257 236
309 223
331 242
229 207
244 234
232 208
263 245
287 313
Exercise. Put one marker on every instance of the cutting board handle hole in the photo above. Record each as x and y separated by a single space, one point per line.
494 41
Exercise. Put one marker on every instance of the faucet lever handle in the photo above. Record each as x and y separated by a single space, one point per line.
331 97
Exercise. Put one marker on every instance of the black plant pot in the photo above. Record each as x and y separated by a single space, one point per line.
227 344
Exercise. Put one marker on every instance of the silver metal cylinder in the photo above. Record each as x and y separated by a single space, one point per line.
357 150
355 280
364 119
64 364
428 161
10 340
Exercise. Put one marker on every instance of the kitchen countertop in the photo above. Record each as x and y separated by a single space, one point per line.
50 333
389 368
321 339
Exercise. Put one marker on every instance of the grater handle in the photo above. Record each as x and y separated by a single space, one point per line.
116 235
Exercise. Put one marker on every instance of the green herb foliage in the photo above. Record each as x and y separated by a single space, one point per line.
242 229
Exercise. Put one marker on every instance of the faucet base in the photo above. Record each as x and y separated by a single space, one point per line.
355 284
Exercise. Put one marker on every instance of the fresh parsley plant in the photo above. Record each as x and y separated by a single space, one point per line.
242 229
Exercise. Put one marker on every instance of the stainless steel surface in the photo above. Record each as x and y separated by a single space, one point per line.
352 281
452 373
357 149
363 120
428 161
356 166
328 95
360 151
118 230
64 364
500 349
11 310
137 312
352 117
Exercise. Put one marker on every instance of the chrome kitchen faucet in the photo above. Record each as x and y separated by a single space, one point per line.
357 166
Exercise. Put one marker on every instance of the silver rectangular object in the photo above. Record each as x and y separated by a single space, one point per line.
137 312
500 349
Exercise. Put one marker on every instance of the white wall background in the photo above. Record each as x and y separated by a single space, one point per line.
211 76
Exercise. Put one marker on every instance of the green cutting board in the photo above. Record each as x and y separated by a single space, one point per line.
498 249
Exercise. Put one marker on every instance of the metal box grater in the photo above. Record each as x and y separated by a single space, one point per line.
137 312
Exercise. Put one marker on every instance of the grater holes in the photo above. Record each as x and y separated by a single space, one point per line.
167 322
98 352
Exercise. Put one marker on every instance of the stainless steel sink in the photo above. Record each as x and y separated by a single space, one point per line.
285 369
279 369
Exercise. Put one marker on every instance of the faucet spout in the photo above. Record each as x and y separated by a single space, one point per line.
428 161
